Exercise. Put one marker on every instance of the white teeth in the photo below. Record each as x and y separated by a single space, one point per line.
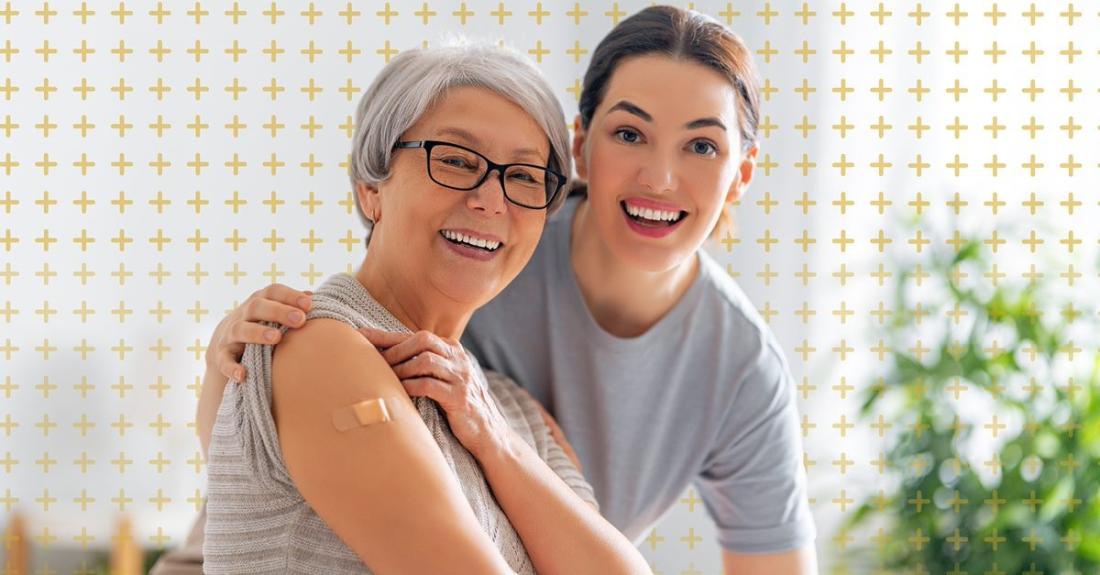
470 240
651 214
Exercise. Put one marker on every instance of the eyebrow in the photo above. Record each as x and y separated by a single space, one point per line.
704 122
477 143
632 108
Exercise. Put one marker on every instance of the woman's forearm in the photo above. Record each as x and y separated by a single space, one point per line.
210 398
562 533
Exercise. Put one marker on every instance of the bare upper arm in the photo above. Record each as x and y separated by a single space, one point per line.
801 561
384 489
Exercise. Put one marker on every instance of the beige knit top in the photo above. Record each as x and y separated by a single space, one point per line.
258 522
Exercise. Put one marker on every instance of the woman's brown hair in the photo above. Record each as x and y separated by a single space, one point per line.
680 34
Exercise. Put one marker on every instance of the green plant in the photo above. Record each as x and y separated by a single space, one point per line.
102 562
1040 513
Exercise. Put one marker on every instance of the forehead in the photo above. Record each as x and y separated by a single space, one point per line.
484 120
672 88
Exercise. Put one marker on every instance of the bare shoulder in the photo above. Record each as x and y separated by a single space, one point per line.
383 488
327 360
325 343
319 368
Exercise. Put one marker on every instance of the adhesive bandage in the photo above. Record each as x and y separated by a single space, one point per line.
367 412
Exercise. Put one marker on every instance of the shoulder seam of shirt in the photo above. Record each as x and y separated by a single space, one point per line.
738 301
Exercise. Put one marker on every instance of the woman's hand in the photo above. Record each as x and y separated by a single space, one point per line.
275 303
439 368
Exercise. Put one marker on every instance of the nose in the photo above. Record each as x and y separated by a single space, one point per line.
489 196
659 172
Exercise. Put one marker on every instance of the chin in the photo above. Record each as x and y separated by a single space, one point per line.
651 259
468 288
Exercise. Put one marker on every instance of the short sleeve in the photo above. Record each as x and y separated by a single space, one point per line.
753 483
255 430
524 414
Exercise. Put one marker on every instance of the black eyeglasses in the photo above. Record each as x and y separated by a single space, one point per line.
460 168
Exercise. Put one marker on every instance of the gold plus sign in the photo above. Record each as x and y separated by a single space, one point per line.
843 14
386 13
425 13
538 13
615 13
653 539
235 13
387 51
576 13
691 500
843 164
463 13
1070 14
691 539
767 13
235 240
349 14
1032 14
575 89
843 463
197 13
577 52
500 13
311 164
311 241
274 13
348 52
729 13
311 203
767 52
311 275
538 51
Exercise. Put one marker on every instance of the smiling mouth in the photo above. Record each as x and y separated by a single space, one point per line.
470 241
651 217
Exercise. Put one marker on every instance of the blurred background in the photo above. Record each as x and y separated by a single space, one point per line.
920 235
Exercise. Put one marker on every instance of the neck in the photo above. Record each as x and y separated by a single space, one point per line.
624 300
417 311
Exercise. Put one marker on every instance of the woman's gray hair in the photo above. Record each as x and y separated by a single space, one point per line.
415 79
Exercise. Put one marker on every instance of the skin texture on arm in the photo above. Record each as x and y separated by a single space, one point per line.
802 561
551 518
385 488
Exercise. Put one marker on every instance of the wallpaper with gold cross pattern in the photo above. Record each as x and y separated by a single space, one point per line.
161 160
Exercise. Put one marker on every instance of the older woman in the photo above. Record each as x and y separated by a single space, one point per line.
319 460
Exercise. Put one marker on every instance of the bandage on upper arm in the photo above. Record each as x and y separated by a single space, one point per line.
359 414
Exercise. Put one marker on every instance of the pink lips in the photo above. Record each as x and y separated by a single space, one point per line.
651 230
653 204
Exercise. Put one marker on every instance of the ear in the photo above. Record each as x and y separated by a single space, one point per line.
744 174
579 139
370 201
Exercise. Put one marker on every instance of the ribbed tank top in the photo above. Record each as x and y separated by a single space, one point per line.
258 522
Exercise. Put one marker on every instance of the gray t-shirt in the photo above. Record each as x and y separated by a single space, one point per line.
703 396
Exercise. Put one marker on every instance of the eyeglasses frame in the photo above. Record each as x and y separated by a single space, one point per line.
427 145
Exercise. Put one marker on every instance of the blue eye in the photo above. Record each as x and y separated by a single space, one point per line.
703 148
627 135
